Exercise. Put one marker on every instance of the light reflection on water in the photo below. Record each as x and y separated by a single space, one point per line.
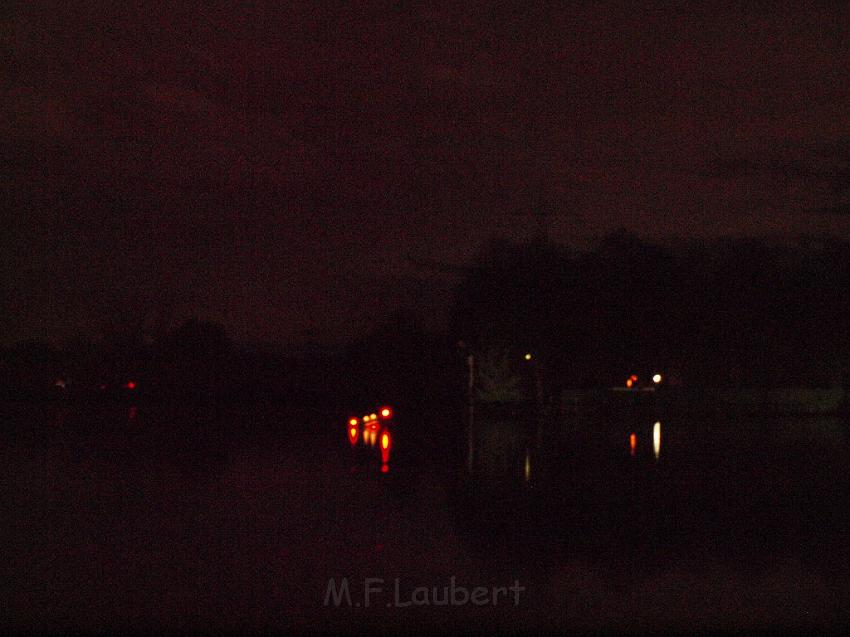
504 450
656 439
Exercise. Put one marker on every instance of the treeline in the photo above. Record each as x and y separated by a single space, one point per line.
735 312
728 312
196 361
396 363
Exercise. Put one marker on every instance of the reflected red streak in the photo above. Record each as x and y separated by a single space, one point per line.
385 447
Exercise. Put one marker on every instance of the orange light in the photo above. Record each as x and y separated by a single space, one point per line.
352 435
629 383
385 412
632 444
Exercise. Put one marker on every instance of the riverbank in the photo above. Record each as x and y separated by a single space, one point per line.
739 401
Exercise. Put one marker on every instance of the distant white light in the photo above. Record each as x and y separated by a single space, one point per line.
656 379
528 357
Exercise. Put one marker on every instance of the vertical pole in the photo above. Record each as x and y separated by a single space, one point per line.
540 414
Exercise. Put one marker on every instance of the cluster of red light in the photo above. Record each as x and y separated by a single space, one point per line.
371 425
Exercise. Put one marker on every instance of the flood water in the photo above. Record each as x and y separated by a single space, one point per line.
204 519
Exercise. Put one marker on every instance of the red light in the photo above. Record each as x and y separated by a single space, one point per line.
131 385
385 447
385 468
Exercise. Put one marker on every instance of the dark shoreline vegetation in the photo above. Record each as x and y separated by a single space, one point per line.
739 326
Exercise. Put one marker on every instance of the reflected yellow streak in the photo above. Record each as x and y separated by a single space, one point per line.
656 439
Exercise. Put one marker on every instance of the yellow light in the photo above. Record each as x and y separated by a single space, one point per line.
656 439
353 422
656 379
528 357
385 441
366 418
385 412
373 416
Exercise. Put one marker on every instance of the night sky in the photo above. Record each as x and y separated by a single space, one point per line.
278 167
